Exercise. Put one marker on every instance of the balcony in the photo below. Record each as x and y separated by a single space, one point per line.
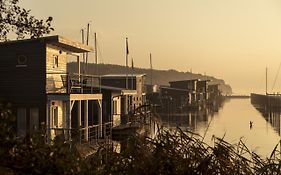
71 83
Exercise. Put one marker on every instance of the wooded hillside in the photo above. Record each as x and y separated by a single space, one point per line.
159 77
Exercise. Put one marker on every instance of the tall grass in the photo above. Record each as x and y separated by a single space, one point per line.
170 152
179 152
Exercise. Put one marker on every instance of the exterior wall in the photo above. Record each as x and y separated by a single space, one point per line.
56 73
213 91
188 85
137 83
137 99
176 99
22 82
202 90
116 110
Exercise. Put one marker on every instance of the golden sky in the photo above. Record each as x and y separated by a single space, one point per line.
230 39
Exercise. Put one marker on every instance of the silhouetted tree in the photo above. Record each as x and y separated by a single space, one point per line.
17 20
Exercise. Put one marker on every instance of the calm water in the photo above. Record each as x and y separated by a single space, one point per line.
231 121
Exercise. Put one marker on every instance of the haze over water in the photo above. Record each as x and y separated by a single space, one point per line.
230 39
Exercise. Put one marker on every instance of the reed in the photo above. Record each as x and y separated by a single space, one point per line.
170 152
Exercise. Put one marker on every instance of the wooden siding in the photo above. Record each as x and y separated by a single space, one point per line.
54 80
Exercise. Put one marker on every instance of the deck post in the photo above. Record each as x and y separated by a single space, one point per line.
48 122
68 119
100 118
86 121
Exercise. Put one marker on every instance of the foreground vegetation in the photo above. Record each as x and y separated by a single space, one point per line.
175 152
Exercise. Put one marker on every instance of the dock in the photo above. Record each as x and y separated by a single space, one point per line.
270 101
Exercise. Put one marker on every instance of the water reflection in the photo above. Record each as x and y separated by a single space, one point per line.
231 119
272 116
190 120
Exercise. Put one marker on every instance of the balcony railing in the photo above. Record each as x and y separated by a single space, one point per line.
93 136
72 83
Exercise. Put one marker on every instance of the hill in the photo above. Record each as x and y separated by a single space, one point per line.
160 77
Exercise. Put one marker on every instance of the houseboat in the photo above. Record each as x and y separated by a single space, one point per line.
45 95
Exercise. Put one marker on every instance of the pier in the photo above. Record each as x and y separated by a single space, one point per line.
271 101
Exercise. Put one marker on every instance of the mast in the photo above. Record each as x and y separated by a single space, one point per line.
150 57
96 59
87 42
96 49
132 79
266 80
83 55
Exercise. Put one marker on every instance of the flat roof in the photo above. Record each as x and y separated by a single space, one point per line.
174 89
55 40
123 91
188 80
122 75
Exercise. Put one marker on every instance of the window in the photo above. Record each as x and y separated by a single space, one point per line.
21 122
114 107
34 119
55 61
55 116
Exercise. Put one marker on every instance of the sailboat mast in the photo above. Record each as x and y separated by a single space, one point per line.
83 55
96 49
132 79
150 57
266 81
87 42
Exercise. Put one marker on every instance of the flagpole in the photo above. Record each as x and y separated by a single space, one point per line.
127 53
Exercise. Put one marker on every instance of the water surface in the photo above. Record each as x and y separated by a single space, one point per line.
232 121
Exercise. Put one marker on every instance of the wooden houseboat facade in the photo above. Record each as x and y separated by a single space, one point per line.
35 79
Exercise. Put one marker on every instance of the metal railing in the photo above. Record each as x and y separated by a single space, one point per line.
72 83
79 135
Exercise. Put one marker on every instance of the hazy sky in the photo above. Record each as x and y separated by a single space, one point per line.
230 39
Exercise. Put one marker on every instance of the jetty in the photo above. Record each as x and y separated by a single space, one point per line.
271 101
